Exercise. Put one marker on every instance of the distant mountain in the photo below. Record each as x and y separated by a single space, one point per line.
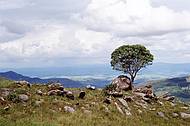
178 87
17 77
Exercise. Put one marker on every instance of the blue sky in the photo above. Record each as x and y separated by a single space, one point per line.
42 33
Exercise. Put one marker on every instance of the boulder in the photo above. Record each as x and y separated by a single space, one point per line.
115 93
107 101
90 87
124 103
145 91
55 86
82 94
161 114
185 115
128 98
22 83
69 109
175 115
70 95
56 92
4 92
23 97
169 98
122 83
39 92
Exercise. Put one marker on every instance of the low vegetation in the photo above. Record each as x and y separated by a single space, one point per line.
45 110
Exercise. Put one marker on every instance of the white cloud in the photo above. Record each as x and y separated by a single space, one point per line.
39 32
133 18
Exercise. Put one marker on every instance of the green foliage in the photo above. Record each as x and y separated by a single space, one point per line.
13 97
109 87
131 59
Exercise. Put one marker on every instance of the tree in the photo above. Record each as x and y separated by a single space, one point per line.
131 59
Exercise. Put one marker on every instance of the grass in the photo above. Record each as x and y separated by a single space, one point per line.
51 111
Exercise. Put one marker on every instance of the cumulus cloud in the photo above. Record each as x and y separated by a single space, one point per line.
133 18
62 32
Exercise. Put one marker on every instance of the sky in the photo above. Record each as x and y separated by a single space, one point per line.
56 33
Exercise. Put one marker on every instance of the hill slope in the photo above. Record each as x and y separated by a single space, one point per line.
91 111
17 77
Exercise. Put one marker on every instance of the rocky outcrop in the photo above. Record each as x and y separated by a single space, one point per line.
69 109
121 83
23 98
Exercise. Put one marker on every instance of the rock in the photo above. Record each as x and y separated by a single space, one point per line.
56 86
185 115
139 111
56 92
122 83
116 94
90 87
2 101
70 95
118 108
52 92
143 105
107 101
186 108
161 103
124 103
39 103
175 115
22 83
161 114
152 109
148 100
23 97
106 109
87 112
4 92
82 94
128 98
69 109
39 92
127 112
146 90
7 108
169 98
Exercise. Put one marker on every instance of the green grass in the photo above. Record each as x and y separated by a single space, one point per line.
51 112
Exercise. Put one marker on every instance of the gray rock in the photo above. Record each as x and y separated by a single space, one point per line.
107 101
124 103
184 115
69 109
161 114
23 98
122 83
128 98
82 94
90 87
175 115
4 92
39 92
39 103
169 98
87 112
70 95
118 108
139 111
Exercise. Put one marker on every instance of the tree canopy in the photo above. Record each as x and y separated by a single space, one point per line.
131 59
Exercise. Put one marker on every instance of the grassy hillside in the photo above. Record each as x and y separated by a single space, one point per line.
175 86
90 111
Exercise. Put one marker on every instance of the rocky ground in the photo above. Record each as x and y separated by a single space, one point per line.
52 105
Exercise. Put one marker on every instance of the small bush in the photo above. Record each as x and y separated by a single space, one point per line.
109 87
13 97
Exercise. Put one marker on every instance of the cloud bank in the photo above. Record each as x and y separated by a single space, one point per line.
42 33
